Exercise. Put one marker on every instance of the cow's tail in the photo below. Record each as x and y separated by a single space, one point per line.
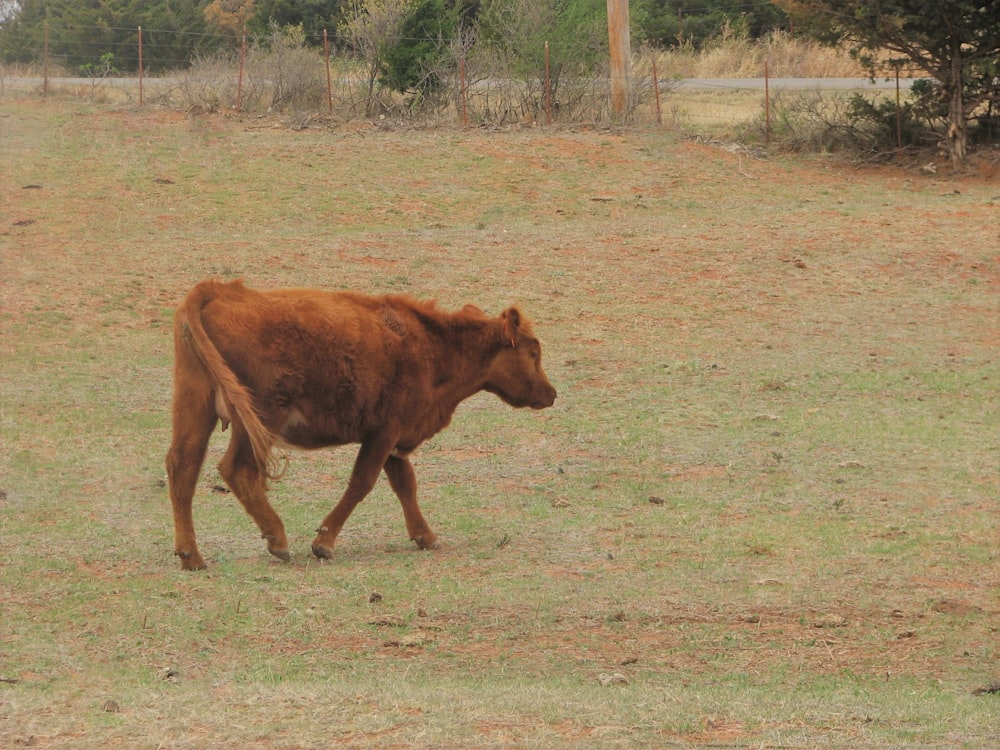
233 401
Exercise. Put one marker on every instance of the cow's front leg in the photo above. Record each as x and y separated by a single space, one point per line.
367 466
401 476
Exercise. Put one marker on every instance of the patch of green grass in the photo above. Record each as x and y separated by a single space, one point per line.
764 497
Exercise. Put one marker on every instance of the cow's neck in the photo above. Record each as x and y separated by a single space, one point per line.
462 370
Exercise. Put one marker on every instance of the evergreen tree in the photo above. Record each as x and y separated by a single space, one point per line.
81 34
957 42
410 63
312 15
694 22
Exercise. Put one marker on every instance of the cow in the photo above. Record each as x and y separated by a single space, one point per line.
308 368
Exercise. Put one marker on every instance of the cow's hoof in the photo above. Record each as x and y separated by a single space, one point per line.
191 561
281 554
322 552
428 541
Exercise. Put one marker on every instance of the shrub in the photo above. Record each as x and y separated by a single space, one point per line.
280 73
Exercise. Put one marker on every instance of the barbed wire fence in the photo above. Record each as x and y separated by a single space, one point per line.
314 75
317 73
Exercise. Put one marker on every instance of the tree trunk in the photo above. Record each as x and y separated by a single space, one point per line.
957 136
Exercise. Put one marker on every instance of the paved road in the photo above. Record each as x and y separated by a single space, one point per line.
807 84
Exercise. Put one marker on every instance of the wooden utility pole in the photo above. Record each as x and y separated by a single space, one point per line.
621 53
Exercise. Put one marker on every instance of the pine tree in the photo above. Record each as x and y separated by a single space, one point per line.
957 42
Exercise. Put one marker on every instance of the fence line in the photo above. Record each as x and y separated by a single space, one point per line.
736 101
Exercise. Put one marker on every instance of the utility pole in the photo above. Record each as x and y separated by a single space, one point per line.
621 53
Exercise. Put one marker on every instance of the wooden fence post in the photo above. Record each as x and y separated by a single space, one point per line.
329 86
462 91
239 85
620 49
140 67
767 104
45 63
899 114
656 91
548 89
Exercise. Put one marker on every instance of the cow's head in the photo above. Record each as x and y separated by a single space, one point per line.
515 372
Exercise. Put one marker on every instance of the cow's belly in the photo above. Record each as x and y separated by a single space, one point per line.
301 432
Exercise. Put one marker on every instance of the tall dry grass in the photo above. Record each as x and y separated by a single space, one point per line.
734 55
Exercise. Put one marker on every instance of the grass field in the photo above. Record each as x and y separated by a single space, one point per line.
762 513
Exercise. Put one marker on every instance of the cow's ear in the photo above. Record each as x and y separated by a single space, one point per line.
511 319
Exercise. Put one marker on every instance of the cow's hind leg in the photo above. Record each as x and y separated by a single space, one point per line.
401 476
194 418
243 475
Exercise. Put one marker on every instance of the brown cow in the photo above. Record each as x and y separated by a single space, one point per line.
310 369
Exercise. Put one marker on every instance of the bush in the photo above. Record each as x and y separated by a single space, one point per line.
414 62
811 121
280 73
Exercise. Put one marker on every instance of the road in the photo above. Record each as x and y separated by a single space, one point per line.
802 84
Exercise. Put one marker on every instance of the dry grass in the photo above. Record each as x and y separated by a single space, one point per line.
785 56
765 497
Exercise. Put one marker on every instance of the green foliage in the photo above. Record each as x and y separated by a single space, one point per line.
102 69
172 32
886 126
410 63
576 34
312 15
22 33
695 22
955 41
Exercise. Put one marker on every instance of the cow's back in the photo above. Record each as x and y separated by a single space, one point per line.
324 367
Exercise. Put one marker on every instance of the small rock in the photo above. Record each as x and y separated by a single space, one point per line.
851 465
